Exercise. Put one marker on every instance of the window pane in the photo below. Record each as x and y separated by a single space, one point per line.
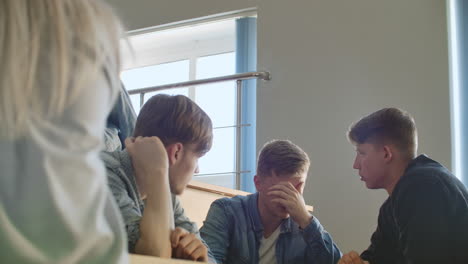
218 100
135 98
154 75
225 180
221 157
216 65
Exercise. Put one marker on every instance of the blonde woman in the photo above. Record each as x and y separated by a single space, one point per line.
58 82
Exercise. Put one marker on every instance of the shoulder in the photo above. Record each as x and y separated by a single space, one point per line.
426 185
424 174
235 202
426 169
119 169
118 161
231 207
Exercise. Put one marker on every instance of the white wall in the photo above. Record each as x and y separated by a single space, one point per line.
331 62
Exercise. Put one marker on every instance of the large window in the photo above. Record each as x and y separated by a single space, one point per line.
189 53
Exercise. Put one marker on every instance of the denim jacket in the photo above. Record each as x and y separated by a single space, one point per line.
233 231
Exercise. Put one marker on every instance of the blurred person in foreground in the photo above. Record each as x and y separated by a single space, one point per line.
58 83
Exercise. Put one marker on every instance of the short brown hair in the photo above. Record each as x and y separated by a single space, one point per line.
388 125
175 119
283 158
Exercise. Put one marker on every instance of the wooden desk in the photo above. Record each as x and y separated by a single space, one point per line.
140 259
197 198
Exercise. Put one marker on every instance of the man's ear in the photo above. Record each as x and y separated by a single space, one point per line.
174 152
258 183
388 153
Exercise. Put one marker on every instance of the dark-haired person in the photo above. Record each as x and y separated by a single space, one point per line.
273 225
425 218
171 134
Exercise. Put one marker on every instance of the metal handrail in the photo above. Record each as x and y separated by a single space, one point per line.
240 76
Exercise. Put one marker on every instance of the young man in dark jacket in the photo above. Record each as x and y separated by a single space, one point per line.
425 218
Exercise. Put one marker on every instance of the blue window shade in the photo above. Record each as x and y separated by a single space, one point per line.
246 61
459 72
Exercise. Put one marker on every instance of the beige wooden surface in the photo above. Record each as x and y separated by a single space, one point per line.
140 259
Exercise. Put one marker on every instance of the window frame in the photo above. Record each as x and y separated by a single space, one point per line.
220 46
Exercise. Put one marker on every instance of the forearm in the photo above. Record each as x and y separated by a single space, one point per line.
320 244
211 257
216 241
158 219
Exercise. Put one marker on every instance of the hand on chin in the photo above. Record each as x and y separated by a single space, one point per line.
282 212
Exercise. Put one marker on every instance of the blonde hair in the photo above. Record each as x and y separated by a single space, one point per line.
50 50
283 158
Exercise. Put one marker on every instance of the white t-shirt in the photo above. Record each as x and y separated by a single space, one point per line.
267 251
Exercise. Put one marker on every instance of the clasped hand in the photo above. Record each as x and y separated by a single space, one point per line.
186 245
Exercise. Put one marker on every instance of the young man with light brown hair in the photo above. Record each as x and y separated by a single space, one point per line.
272 225
171 134
424 219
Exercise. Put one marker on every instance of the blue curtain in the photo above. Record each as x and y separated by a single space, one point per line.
460 16
246 61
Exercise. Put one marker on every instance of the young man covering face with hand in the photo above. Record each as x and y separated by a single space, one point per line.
272 225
